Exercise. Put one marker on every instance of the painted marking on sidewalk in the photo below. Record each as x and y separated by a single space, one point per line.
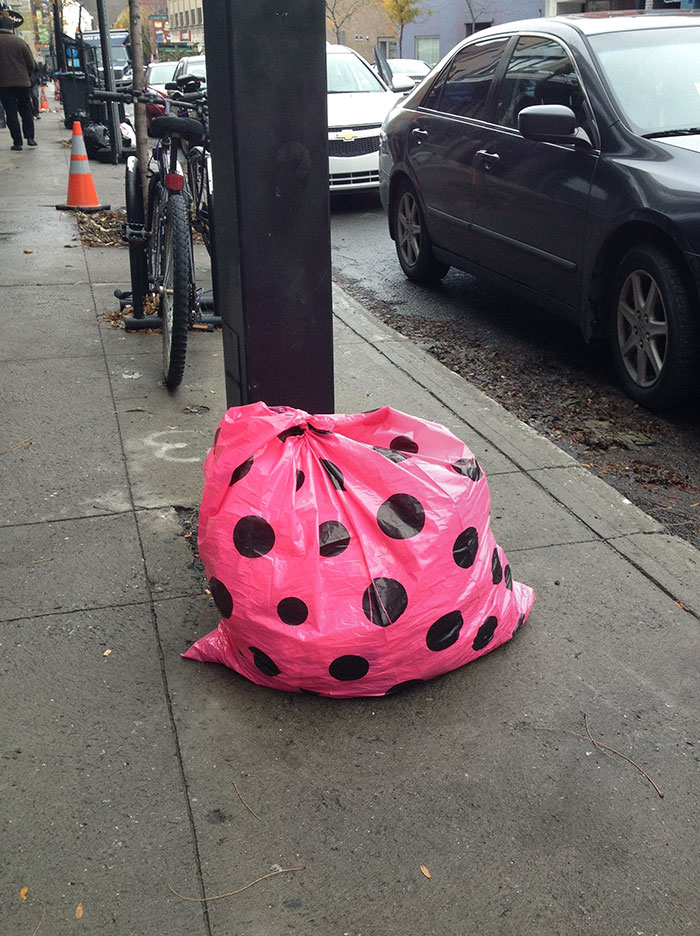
163 448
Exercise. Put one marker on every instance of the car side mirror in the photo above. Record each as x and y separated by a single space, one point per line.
551 123
402 84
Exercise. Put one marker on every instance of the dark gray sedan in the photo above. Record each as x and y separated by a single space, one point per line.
561 158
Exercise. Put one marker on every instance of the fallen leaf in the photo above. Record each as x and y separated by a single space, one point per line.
79 912
106 653
23 893
425 871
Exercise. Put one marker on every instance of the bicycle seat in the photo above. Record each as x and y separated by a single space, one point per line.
185 127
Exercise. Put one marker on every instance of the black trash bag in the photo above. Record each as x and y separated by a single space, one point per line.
96 137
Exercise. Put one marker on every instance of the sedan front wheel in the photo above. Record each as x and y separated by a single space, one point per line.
655 329
413 246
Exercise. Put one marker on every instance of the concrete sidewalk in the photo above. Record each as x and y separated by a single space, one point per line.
119 758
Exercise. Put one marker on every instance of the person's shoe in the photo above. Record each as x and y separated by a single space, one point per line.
32 143
37 117
16 147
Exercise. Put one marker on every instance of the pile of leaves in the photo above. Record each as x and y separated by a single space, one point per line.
102 228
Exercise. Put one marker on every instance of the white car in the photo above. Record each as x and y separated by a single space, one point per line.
414 68
358 102
158 74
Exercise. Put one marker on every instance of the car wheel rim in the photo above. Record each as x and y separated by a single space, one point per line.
408 228
642 328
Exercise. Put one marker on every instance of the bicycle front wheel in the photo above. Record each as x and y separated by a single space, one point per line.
176 289
198 170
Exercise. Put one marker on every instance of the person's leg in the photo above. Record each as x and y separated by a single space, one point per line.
24 101
9 102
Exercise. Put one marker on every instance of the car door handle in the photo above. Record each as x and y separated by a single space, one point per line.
489 159
416 132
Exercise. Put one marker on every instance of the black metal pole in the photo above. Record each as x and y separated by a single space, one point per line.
271 257
112 111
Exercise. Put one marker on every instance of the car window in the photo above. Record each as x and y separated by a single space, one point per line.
465 85
654 75
540 71
348 74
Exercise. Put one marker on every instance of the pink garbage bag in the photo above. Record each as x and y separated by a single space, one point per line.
349 555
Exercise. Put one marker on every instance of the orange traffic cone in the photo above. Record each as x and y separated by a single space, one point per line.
81 189
43 103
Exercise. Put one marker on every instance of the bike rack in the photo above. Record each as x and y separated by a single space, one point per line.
207 322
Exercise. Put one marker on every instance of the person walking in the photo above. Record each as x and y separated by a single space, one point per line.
16 69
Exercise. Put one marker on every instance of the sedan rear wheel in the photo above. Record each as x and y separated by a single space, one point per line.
413 246
655 329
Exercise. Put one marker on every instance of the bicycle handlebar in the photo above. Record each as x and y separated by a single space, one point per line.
192 96
127 97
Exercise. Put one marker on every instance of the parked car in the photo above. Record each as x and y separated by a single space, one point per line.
157 75
561 158
191 65
414 68
358 102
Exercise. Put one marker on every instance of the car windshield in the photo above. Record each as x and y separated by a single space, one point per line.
654 75
159 74
347 74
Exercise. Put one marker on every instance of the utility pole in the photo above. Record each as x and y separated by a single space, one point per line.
271 257
112 111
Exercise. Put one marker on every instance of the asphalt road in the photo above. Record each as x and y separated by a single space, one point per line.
536 365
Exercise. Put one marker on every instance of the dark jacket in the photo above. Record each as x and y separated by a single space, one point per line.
16 61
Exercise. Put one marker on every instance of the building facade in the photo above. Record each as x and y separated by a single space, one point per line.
186 18
431 37
361 27
436 32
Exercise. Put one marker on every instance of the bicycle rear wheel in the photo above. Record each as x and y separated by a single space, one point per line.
175 288
137 251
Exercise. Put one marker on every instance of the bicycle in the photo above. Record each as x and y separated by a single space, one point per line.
198 156
161 255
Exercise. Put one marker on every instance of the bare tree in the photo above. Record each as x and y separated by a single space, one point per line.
340 12
475 10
